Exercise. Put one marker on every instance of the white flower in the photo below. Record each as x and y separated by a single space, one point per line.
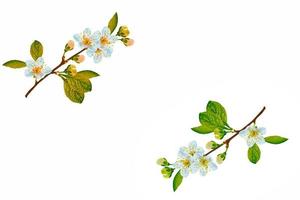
186 158
104 38
253 135
84 39
36 69
205 164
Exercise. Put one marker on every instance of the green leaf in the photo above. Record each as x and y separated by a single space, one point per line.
217 109
87 74
177 181
210 120
16 64
275 139
74 90
113 22
36 50
202 129
254 154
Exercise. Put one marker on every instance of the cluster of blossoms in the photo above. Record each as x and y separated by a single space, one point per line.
100 43
97 45
191 159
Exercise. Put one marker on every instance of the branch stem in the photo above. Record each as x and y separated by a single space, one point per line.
63 61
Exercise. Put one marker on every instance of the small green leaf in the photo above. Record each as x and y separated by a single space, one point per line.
275 139
202 129
16 64
87 74
217 109
74 90
113 22
254 154
36 50
210 120
177 181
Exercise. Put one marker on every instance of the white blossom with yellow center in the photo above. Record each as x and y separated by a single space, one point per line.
36 68
205 164
253 135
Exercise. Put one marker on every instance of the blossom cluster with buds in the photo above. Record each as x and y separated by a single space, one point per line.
97 45
192 158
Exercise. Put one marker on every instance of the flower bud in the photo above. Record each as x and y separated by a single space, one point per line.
211 145
219 134
162 162
221 157
123 31
78 58
69 46
127 41
71 70
167 172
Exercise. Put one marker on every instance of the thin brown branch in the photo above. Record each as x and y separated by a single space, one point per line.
236 132
63 61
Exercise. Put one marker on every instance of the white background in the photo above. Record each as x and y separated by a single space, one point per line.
244 54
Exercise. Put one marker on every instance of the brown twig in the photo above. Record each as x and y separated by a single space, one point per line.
226 142
63 61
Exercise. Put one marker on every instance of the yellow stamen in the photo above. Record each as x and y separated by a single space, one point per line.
104 41
253 133
86 41
98 51
192 152
37 70
186 163
204 162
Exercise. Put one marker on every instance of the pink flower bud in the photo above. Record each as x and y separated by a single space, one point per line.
71 44
80 58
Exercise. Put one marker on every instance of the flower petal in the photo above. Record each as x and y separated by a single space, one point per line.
77 37
262 130
203 172
30 63
87 32
97 58
184 172
105 31
244 133
212 166
250 142
260 140
40 61
28 72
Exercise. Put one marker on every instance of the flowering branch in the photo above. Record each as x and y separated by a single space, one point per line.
214 120
226 142
63 61
76 83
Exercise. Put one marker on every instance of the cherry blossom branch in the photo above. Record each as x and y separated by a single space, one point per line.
63 61
226 142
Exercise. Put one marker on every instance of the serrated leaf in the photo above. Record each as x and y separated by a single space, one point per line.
210 120
87 74
202 129
217 109
254 154
275 139
36 50
113 22
177 181
16 64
